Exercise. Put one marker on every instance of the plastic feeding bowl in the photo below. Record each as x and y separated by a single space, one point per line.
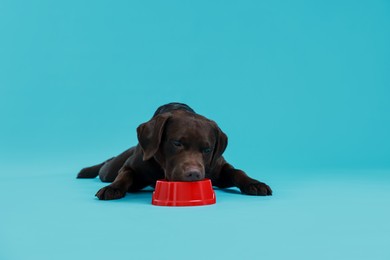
177 193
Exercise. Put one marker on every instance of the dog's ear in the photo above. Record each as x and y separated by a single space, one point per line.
150 133
220 145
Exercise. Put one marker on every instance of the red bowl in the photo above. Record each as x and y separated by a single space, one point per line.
178 193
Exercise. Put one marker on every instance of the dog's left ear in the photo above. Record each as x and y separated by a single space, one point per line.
150 133
220 145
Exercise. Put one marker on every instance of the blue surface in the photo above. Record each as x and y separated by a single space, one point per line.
313 215
301 88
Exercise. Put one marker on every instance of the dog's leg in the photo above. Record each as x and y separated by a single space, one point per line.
109 171
119 187
91 172
231 177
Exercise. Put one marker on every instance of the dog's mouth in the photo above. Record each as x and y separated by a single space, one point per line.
188 176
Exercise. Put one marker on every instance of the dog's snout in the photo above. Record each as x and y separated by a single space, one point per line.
193 175
186 173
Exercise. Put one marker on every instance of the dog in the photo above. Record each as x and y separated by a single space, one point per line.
176 144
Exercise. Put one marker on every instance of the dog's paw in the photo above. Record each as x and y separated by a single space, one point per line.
257 189
110 193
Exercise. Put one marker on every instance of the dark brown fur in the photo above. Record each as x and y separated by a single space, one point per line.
178 145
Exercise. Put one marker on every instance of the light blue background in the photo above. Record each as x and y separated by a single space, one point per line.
301 88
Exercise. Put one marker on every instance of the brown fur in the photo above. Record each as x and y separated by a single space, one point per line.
177 145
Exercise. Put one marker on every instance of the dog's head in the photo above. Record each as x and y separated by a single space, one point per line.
185 144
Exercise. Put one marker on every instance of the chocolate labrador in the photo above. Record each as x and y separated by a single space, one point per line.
177 145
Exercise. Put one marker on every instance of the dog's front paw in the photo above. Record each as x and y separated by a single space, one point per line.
256 188
110 193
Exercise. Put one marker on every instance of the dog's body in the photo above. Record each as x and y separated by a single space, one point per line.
178 145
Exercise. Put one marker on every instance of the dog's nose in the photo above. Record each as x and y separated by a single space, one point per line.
193 175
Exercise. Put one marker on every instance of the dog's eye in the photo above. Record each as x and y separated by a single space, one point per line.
206 150
177 143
